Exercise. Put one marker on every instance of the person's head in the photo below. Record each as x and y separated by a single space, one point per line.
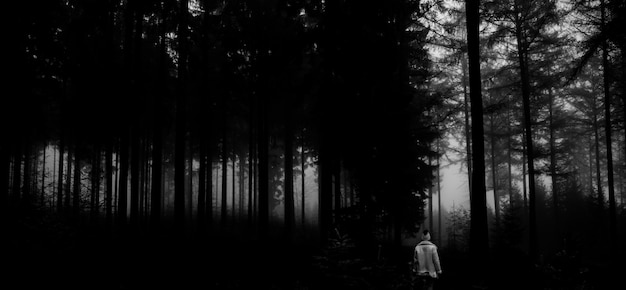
425 235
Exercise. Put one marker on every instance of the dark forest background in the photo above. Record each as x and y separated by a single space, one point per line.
299 144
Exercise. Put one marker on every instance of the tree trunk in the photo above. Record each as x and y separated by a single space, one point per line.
303 194
468 133
108 206
233 188
430 200
95 184
251 158
494 171
17 173
438 192
189 191
555 197
43 177
263 174
134 178
242 187
224 212
26 188
179 178
77 184
596 128
479 239
508 153
202 184
60 177
337 188
122 195
525 83
156 195
326 190
68 180
289 199
608 130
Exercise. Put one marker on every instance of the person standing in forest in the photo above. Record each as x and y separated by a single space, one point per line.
426 263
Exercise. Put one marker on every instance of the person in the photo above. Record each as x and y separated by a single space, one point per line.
427 266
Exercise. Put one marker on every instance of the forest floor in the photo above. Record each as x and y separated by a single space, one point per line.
42 252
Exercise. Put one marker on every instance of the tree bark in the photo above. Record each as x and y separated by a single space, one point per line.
479 239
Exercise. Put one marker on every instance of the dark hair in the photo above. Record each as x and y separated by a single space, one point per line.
425 232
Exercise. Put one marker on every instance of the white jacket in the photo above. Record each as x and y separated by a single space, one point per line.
426 259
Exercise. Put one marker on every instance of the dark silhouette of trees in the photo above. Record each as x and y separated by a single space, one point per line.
310 122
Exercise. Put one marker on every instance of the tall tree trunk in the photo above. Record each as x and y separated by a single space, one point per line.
108 205
202 184
4 179
289 199
189 191
608 130
326 190
122 195
303 166
209 180
263 202
525 83
60 177
479 239
17 173
77 184
494 170
555 197
596 135
337 188
251 157
430 200
54 178
224 212
26 188
95 184
43 177
233 188
242 188
524 178
68 179
468 132
156 196
438 192
179 178
508 154
134 178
